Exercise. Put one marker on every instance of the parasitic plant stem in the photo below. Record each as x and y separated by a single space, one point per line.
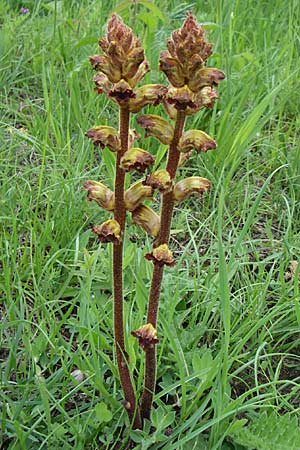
119 215
157 277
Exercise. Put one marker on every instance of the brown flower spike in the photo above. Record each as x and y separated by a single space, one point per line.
192 86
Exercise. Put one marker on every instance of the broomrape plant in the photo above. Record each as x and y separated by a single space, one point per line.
192 86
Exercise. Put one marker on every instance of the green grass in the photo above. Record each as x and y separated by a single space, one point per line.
228 372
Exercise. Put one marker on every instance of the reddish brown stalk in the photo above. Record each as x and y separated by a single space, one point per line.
157 277
119 215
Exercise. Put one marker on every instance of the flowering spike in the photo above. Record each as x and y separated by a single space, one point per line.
188 186
147 336
161 256
109 231
157 126
147 219
105 136
124 56
160 179
145 95
136 159
196 139
136 194
101 194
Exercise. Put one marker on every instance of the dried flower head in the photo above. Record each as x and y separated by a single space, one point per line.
147 336
100 193
109 231
161 255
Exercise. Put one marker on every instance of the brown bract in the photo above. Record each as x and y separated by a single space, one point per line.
147 336
161 256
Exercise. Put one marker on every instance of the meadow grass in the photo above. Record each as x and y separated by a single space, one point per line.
228 372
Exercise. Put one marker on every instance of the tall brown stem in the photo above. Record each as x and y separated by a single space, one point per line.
119 215
157 277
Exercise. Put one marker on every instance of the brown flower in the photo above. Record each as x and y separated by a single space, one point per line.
195 139
147 219
109 231
100 193
105 136
160 179
184 188
156 126
134 196
147 336
136 159
146 95
161 255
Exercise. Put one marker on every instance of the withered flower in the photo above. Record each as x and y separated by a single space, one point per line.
105 136
100 193
136 193
161 255
147 336
156 126
146 95
136 159
196 139
184 188
109 231
147 219
160 179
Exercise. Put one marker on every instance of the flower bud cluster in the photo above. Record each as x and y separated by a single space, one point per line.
184 64
122 66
